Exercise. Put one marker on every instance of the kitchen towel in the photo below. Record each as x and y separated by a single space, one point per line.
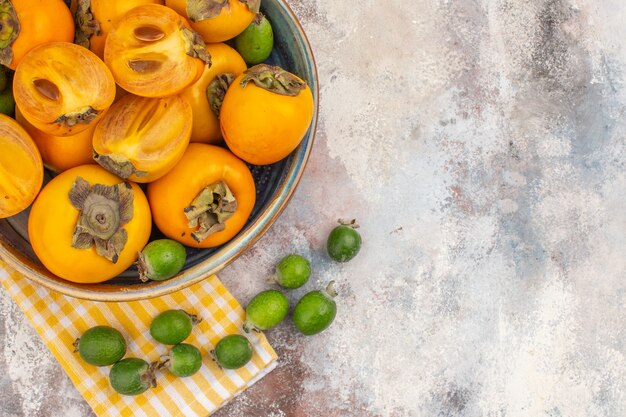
60 319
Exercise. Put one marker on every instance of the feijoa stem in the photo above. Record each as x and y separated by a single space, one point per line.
350 223
75 344
330 289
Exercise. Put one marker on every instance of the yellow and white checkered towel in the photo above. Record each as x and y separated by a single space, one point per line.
59 320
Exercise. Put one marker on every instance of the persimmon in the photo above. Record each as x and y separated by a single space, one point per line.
152 52
60 152
206 94
217 20
94 19
62 88
141 138
25 24
205 200
265 114
21 169
88 225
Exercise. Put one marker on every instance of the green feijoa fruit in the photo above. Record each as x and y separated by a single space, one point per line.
233 351
315 311
266 310
101 346
344 242
161 259
293 271
183 360
7 102
255 43
132 376
172 326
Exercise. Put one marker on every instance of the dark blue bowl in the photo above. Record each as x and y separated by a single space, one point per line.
275 184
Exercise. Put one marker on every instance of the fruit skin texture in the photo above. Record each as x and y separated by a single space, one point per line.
343 243
314 312
82 82
106 12
262 127
173 70
60 153
255 43
233 351
200 166
171 327
130 376
161 259
101 346
149 133
21 168
185 360
293 271
41 21
231 21
53 218
206 125
266 310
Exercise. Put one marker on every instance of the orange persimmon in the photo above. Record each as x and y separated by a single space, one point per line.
60 152
94 19
152 52
87 225
141 138
217 20
265 114
62 88
205 200
225 63
25 24
21 169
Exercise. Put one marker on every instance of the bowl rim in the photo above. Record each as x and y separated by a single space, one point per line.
226 254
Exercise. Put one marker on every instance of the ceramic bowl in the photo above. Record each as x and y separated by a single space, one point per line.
275 184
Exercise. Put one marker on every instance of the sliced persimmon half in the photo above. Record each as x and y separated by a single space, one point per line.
142 138
21 169
62 88
152 52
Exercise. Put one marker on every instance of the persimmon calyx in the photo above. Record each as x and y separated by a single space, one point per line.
103 210
9 31
86 25
253 5
195 46
274 79
118 164
198 10
84 116
216 90
210 209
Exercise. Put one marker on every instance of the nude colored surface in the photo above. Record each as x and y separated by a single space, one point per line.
480 144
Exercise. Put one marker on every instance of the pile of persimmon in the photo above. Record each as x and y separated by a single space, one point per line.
142 116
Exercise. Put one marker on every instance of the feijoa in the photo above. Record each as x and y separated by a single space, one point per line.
266 310
161 259
172 326
293 271
132 376
233 351
256 42
101 346
344 242
315 311
183 360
